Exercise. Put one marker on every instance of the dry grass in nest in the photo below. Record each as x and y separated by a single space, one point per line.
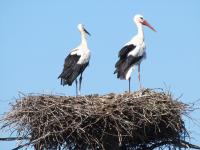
141 120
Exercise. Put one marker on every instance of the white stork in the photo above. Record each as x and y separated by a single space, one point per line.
76 62
133 52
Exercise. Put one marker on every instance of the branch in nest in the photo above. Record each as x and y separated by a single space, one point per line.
13 138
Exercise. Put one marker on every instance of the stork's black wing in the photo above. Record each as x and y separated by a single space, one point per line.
130 61
123 53
125 61
71 69
125 50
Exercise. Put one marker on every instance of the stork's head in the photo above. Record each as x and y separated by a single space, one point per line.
139 20
82 29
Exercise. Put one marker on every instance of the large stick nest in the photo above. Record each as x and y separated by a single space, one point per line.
142 120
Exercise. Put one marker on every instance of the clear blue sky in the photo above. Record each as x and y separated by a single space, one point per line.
36 36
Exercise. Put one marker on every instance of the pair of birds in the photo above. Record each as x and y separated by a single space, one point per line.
131 54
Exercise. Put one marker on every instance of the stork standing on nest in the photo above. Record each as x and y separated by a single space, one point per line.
133 52
76 62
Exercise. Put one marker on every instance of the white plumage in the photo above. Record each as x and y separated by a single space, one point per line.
133 52
139 51
76 62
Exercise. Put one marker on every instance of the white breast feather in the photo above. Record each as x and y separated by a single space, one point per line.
138 51
85 57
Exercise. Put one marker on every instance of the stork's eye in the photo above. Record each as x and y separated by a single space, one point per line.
141 18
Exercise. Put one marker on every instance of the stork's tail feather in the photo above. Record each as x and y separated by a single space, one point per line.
120 74
115 71
64 81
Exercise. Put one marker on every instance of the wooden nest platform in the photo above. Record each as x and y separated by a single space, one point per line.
142 120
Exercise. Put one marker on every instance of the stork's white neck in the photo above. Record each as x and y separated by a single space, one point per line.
83 39
140 33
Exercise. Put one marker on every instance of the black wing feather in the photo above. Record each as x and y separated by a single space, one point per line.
125 62
123 54
130 61
71 69
125 50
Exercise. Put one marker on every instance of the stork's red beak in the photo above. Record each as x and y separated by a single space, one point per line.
144 22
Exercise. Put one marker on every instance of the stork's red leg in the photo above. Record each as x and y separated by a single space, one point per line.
129 85
76 87
80 82
139 76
